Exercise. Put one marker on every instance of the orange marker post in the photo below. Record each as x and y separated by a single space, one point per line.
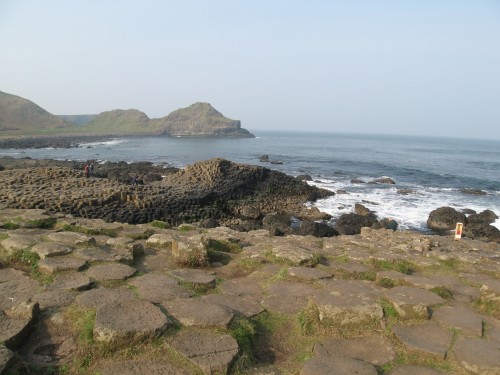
458 231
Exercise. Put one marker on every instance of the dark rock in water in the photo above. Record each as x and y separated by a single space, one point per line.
362 210
352 223
487 216
477 230
304 177
357 181
445 218
264 158
2 167
383 180
313 228
386 224
473 191
341 192
276 162
406 191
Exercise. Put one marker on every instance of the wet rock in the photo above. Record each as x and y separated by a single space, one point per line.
316 229
304 177
428 337
445 218
212 352
126 322
383 180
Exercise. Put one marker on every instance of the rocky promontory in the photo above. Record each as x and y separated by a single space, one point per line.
85 296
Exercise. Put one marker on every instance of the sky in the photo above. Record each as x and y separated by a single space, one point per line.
421 67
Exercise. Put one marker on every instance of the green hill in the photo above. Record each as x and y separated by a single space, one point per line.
119 122
19 116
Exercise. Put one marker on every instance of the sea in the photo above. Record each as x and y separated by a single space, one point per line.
429 172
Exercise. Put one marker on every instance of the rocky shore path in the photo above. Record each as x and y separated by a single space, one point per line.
82 296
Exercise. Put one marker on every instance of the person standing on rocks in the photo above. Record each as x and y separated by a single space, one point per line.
86 170
91 169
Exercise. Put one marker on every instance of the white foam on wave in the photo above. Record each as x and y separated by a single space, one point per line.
410 210
112 142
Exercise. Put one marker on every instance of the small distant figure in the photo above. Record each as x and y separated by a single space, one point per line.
91 169
86 170
135 180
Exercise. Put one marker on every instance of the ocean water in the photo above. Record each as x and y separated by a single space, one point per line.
433 170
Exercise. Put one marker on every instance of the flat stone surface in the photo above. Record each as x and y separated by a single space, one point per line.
18 290
428 337
198 312
16 323
51 249
71 281
337 366
288 297
465 293
351 267
17 242
195 277
54 298
95 254
477 355
158 288
412 303
375 349
119 241
212 352
296 255
160 239
491 289
245 306
113 271
10 274
140 367
58 264
308 273
241 287
71 238
128 322
492 329
415 370
459 317
101 296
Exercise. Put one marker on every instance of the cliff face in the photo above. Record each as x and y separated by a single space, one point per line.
19 115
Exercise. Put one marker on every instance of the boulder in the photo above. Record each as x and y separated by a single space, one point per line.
487 216
383 180
352 223
316 229
278 224
444 219
304 177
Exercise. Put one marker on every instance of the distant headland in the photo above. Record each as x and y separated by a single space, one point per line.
21 118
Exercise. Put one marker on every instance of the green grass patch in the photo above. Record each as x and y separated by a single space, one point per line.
185 228
3 236
308 320
224 246
385 282
399 265
82 320
250 264
46 223
488 306
442 292
160 224
367 275
11 225
90 231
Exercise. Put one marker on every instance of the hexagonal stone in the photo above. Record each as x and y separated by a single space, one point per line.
375 349
212 352
95 254
308 273
415 370
16 291
113 271
412 303
428 337
337 366
135 367
127 322
195 277
160 239
16 324
54 298
58 264
198 312
459 317
16 242
71 281
71 238
288 297
158 288
478 356
10 274
240 305
101 296
296 255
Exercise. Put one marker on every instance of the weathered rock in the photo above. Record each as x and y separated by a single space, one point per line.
127 322
491 290
288 297
352 223
212 352
197 278
428 337
375 349
296 255
316 229
412 303
138 367
51 249
54 298
199 312
240 305
190 251
71 281
337 366
383 180
160 239
308 273
72 238
158 288
415 370
445 218
459 317
57 264
478 356
16 323
113 271
18 290
101 296
16 242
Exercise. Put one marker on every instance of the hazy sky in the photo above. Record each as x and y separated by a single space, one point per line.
424 67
